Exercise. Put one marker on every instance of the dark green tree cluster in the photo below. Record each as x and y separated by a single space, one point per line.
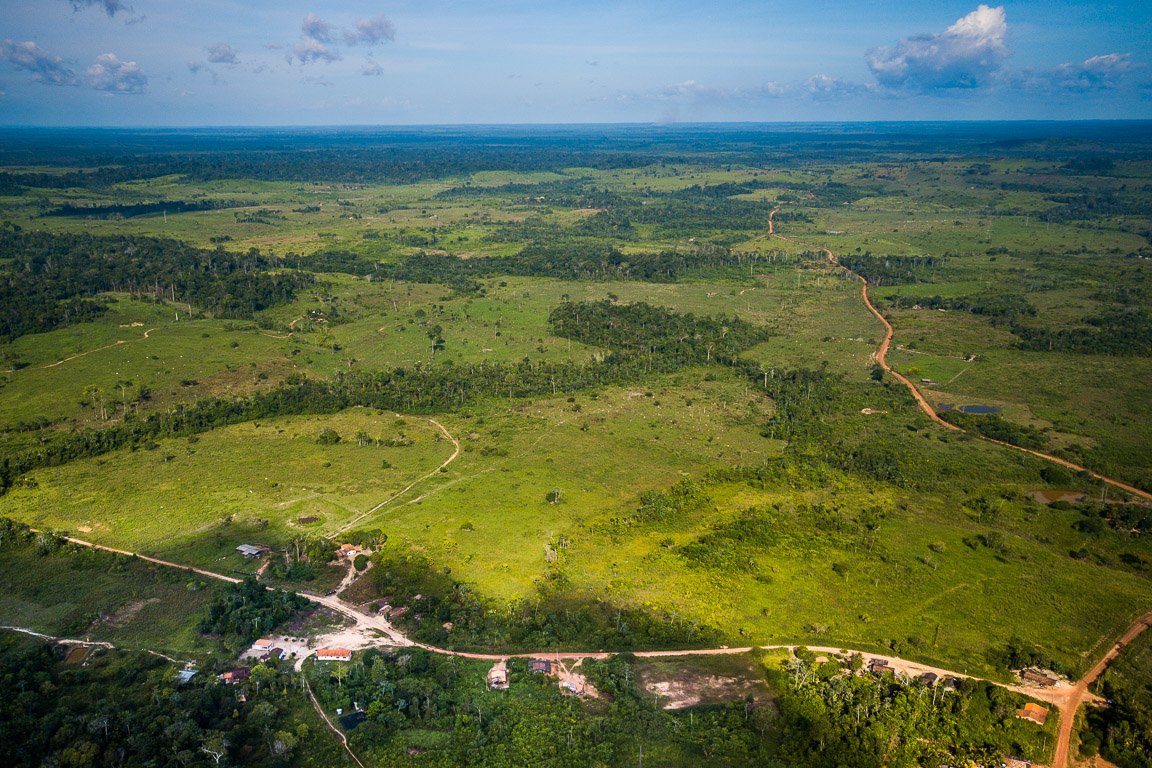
644 330
999 307
128 210
892 270
47 280
829 719
1122 731
1124 331
570 260
996 427
245 610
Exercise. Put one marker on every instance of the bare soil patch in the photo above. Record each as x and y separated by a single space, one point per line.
682 683
128 612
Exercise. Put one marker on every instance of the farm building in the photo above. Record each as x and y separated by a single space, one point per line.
263 644
251 550
540 665
1033 712
929 678
185 675
334 654
1039 677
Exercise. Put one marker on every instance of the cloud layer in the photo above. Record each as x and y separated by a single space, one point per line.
965 55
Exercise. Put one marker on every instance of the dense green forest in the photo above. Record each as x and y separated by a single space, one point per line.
128 709
47 281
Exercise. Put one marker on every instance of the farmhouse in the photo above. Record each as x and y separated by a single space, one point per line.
263 644
348 551
334 654
1033 712
234 676
540 665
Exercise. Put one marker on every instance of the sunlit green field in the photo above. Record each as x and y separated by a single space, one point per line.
534 473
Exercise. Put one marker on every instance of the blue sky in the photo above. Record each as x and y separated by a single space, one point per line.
287 62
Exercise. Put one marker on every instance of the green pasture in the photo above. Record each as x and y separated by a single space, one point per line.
251 483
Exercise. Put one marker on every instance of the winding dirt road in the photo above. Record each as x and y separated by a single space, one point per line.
1066 698
881 355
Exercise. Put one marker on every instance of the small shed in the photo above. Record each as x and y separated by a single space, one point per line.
929 678
184 675
880 667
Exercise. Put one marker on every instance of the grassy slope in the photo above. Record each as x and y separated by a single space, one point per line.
103 597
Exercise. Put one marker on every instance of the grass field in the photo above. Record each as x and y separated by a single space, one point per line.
245 484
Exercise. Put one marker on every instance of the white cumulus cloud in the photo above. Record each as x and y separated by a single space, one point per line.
110 73
963 56
1098 73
